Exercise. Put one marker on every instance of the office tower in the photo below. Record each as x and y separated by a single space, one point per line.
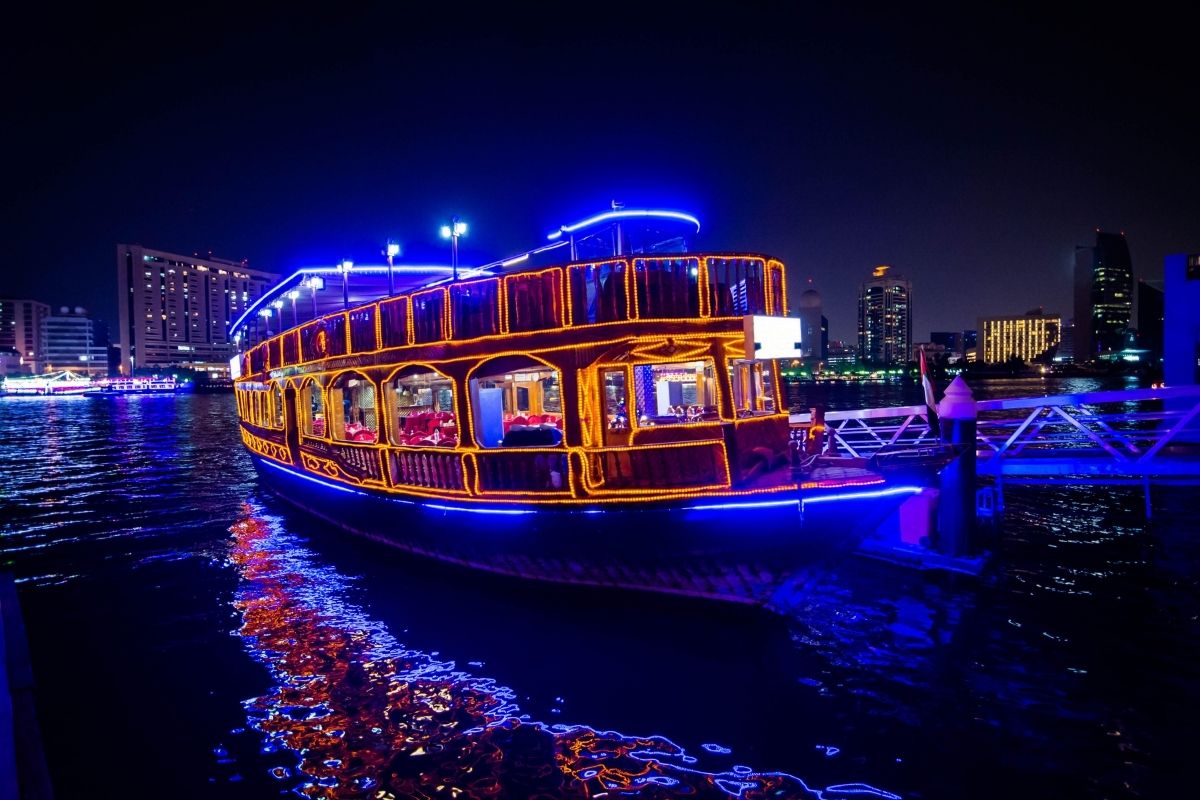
949 341
1103 296
884 318
1066 346
810 322
176 309
1181 319
68 341
1031 336
21 330
1112 291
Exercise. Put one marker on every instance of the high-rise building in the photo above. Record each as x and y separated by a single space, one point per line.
1066 346
809 312
1112 291
1031 336
1181 320
1103 296
68 341
1150 318
949 341
177 309
21 330
884 318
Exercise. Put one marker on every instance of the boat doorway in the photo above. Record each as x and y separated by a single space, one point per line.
291 423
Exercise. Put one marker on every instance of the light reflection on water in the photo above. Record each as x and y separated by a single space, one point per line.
365 714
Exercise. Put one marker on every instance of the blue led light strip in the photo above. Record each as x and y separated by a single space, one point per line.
623 214
829 498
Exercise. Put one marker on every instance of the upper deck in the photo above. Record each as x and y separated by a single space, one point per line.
688 291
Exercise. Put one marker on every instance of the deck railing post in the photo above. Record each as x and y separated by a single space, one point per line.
956 532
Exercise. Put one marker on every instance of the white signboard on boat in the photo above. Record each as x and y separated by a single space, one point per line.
772 337
235 368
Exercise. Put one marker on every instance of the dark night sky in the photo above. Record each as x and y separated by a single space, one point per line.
971 153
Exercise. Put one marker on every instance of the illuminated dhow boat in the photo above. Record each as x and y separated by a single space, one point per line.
58 383
615 419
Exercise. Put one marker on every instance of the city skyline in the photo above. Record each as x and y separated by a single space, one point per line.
835 144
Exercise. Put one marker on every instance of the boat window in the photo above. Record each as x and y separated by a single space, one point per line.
312 409
258 359
337 335
667 288
362 330
775 273
534 301
422 403
475 308
276 406
291 348
753 385
428 310
736 286
616 400
670 394
521 408
597 292
394 322
352 405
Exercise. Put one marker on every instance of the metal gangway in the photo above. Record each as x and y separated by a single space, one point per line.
1135 436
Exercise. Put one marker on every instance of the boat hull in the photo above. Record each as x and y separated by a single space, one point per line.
741 549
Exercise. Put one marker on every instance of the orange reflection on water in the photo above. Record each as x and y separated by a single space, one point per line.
368 718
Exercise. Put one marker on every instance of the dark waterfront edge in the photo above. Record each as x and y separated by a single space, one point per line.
23 772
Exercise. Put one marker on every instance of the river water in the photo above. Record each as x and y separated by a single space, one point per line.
193 637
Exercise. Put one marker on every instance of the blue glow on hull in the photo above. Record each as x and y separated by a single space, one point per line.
829 498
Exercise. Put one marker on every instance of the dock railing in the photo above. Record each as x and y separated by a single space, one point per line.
1134 433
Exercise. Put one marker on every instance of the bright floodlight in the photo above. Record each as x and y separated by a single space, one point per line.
277 304
393 249
293 294
346 265
316 282
445 231
264 313
460 228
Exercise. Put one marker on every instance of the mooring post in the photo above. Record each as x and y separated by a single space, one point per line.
956 531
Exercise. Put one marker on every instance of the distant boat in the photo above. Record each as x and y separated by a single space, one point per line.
138 385
58 383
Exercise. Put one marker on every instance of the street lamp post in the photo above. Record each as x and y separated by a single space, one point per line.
393 250
278 306
265 313
455 229
345 268
314 284
292 295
